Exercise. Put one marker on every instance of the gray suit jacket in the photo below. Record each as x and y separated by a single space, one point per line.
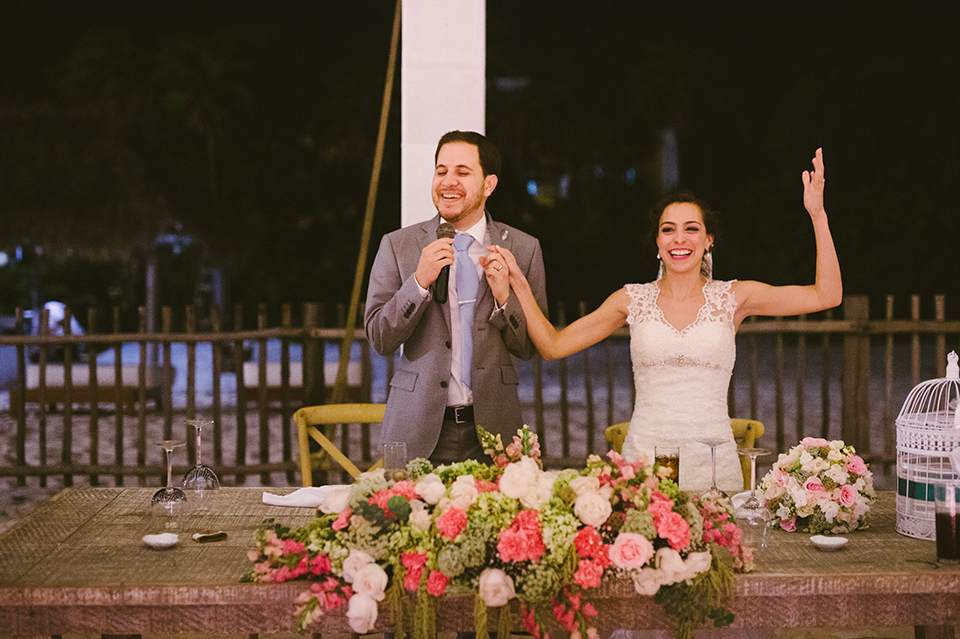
397 316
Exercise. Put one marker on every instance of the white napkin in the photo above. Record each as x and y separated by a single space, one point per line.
738 499
330 499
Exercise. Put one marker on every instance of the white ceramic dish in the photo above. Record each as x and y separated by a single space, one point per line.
828 543
163 540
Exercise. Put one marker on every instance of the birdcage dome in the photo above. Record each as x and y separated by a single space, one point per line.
928 430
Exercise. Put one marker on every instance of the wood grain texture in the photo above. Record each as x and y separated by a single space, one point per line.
77 565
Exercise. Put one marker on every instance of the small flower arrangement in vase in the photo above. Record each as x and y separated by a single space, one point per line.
819 486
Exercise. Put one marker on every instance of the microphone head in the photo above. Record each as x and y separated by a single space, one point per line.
446 229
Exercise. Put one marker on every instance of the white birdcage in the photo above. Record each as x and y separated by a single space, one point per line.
928 430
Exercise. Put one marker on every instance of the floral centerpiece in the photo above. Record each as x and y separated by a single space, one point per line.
819 486
503 531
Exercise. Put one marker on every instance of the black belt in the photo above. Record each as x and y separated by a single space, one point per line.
458 414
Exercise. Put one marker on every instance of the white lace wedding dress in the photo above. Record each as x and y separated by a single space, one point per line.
682 379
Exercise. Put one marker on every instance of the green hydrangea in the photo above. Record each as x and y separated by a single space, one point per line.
538 583
639 522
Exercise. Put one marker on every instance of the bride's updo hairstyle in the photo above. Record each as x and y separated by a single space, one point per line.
711 219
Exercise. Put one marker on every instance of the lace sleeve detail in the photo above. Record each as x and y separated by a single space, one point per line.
721 301
640 299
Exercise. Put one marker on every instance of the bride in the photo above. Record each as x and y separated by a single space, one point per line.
682 331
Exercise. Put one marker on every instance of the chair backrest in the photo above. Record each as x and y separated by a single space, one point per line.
309 417
746 432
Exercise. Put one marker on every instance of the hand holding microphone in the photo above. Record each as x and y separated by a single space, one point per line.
444 231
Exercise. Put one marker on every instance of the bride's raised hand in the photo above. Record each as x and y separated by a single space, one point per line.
517 277
813 182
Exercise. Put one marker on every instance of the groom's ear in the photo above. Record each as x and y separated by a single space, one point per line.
489 184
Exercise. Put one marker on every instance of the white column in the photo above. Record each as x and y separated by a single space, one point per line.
442 88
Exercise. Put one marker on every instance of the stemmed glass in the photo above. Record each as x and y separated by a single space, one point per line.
752 516
169 500
714 492
200 481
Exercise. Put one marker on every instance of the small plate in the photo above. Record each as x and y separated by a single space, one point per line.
163 540
828 544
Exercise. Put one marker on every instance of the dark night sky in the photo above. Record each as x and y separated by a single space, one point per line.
751 89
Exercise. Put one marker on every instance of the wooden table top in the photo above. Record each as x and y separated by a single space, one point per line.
77 565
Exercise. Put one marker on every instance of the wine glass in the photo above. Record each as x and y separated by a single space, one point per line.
715 493
201 482
752 516
169 501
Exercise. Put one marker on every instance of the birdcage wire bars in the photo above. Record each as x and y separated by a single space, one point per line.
928 429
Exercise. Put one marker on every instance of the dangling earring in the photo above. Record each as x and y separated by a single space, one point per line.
660 270
706 264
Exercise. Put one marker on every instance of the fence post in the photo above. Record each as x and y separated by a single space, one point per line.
855 397
314 385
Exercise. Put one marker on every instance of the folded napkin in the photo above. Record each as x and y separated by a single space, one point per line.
738 499
329 499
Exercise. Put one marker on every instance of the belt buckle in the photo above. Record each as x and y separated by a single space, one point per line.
456 414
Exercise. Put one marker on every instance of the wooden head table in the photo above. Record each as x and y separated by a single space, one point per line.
77 565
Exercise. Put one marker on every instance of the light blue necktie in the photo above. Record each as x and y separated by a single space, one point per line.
468 282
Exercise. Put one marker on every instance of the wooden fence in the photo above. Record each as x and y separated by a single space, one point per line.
838 375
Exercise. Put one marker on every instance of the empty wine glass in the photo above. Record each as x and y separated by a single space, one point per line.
201 482
752 516
715 493
169 501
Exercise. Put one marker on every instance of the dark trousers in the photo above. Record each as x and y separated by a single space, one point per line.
457 443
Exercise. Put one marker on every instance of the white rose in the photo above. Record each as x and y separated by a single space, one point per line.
783 512
592 509
464 492
370 581
540 493
584 485
496 587
362 613
419 515
353 563
336 499
519 477
670 563
835 455
647 581
430 488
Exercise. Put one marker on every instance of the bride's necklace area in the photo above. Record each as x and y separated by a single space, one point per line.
681 312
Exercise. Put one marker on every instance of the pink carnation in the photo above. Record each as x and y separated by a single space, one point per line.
589 573
856 465
437 583
522 540
674 528
412 581
320 565
343 520
451 523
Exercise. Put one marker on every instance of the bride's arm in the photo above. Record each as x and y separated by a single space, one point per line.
586 331
757 298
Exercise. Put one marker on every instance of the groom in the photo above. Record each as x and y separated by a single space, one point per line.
456 367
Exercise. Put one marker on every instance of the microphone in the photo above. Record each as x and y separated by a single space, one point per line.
440 286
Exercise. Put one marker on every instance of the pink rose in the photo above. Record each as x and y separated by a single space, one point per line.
809 442
790 525
856 465
631 550
814 486
848 496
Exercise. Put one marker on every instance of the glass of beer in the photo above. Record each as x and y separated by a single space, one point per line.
669 456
